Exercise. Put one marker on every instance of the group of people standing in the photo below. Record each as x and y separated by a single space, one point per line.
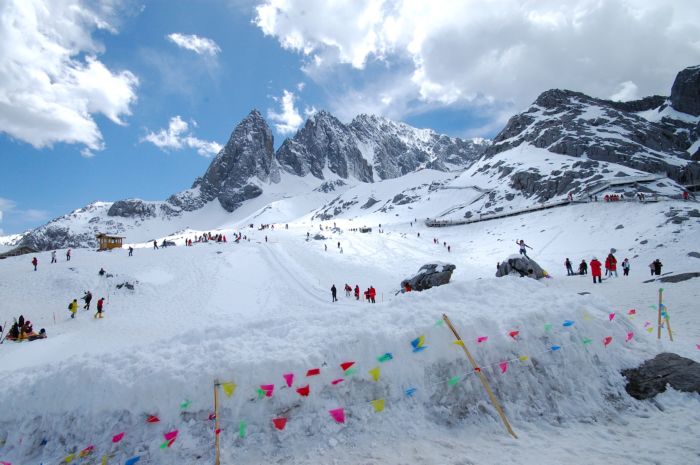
87 298
370 294
22 330
35 261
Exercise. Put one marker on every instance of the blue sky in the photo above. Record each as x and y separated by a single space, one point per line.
87 94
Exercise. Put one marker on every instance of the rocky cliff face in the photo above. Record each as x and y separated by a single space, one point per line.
685 93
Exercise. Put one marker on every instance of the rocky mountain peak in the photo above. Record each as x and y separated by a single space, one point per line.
685 93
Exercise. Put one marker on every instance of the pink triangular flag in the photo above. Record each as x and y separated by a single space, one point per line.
513 334
170 435
289 378
504 366
152 419
338 415
268 388
481 339
607 340
632 312
611 316
629 337
117 437
337 381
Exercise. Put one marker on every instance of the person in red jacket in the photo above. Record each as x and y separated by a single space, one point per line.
372 292
595 270
35 262
100 306
357 292
611 265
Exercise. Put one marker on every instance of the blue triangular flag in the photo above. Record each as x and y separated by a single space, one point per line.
410 391
553 348
132 460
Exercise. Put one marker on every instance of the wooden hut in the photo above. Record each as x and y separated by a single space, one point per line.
108 242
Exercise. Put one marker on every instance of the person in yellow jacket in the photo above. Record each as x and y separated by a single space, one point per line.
73 307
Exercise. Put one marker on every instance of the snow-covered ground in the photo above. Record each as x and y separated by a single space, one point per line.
250 312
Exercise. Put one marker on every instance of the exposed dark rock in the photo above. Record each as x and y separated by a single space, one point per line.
370 201
132 208
680 277
520 265
685 93
430 275
620 226
694 254
654 375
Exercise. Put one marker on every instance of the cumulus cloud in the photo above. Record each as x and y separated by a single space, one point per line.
470 52
288 119
178 136
626 91
195 43
52 82
9 207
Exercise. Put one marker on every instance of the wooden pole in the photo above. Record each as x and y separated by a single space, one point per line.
482 377
217 460
658 329
668 324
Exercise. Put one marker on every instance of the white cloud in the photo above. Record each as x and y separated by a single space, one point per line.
8 206
627 91
195 43
52 83
178 136
467 52
288 120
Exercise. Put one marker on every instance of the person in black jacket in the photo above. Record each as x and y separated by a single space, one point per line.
334 292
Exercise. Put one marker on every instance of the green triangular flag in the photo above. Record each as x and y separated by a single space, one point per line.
185 404
439 322
164 445
454 380
548 327
350 371
242 426
260 392
586 340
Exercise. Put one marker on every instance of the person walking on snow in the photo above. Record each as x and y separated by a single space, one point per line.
68 255
87 298
35 262
611 265
53 256
100 307
357 292
523 245
569 269
595 270
73 307
348 290
131 251
334 292
625 267
155 245
657 267
372 292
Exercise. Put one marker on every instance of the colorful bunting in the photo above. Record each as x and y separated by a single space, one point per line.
303 391
607 340
385 358
69 458
586 316
229 388
523 358
104 459
586 340
375 373
481 339
279 423
350 372
647 324
346 365
454 380
568 323
650 329
458 342
611 316
338 415
629 337
217 431
547 327
632 312
418 344
261 393
313 372
133 460
378 405
410 391
288 378
268 388
185 404
439 322
242 427
555 348
514 334
117 437
503 366
212 416
152 419
85 452
337 381
170 435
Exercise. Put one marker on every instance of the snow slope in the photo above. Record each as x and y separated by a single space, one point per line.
253 311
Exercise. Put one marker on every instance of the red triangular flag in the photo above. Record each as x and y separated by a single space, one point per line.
303 391
338 415
289 378
152 419
513 334
170 435
313 372
279 423
217 431
212 416
117 437
346 365
337 381
607 340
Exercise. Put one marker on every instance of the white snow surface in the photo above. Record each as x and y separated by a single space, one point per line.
252 311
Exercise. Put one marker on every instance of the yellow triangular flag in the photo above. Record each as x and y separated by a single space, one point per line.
375 373
69 458
458 342
104 460
378 405
586 315
523 358
229 388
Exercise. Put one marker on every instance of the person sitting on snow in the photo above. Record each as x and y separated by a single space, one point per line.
583 268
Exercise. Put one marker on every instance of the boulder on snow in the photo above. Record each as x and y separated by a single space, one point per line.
430 275
653 375
520 265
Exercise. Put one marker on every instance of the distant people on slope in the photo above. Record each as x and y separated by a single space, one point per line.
73 308
334 292
35 262
131 251
357 292
611 265
655 267
569 269
87 298
68 255
595 270
53 256
348 290
583 268
100 307
625 267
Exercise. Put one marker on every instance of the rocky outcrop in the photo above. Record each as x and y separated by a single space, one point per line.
430 275
654 375
685 93
131 208
519 265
